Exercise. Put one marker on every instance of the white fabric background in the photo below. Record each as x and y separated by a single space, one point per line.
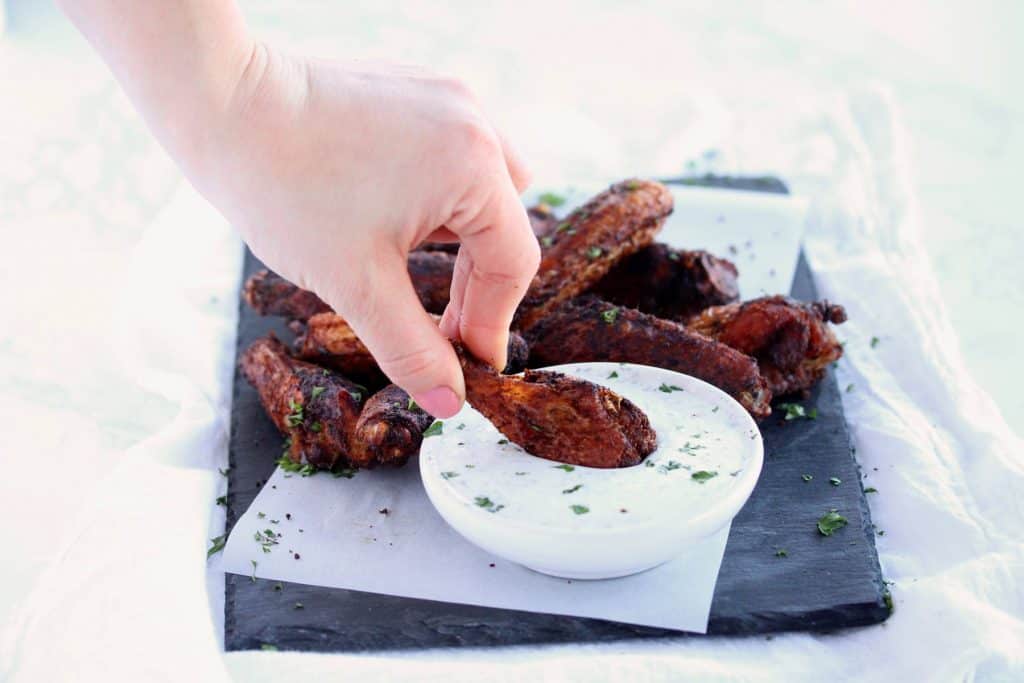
116 347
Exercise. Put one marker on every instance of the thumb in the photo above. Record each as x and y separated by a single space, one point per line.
387 316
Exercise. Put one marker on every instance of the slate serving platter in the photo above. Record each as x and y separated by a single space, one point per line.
821 584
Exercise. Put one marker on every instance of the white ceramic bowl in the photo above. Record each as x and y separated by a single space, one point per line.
587 523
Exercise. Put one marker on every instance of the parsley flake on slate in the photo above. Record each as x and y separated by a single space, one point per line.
286 464
703 475
807 477
669 388
216 545
346 472
566 468
437 427
613 375
610 315
871 489
594 252
579 509
795 411
574 489
781 552
449 475
831 522
316 427
411 405
313 395
835 481
551 199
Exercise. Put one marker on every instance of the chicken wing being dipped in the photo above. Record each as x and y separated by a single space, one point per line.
669 283
329 341
589 329
558 417
583 247
389 430
791 340
315 408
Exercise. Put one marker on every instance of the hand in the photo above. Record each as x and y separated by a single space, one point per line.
333 172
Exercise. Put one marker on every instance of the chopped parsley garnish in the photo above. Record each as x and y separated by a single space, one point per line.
436 428
286 464
294 418
690 449
346 472
261 515
502 442
574 489
670 465
316 392
566 468
316 427
224 471
715 409
462 425
216 545
874 341
594 252
807 477
484 502
551 199
632 185
613 375
266 538
835 481
795 411
849 388
781 552
222 500
669 388
449 475
579 509
610 315
703 475
411 405
565 226
649 463
831 522
547 241
871 489
268 647
519 474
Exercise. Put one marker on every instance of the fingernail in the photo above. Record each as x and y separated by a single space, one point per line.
441 402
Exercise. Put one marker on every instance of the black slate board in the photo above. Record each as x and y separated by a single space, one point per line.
821 584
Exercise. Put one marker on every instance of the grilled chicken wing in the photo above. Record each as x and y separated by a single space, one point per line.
389 430
558 417
670 283
317 409
589 329
328 340
431 274
270 294
583 247
791 340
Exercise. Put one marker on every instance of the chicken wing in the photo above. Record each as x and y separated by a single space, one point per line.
583 247
316 408
389 430
558 417
669 283
589 329
431 274
791 340
328 340
270 294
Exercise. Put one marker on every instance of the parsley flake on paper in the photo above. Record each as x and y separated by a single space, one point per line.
436 428
574 489
216 545
669 388
613 375
579 509
566 468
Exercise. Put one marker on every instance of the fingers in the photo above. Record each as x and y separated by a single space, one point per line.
386 314
498 259
517 169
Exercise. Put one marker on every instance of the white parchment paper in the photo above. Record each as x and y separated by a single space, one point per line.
343 537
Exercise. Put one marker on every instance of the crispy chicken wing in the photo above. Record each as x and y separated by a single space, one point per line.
316 408
558 417
583 247
431 274
389 430
669 283
270 294
589 329
791 340
328 340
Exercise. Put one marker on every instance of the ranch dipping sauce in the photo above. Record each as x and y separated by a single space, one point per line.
702 452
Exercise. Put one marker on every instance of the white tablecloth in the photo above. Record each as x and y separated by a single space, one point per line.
117 343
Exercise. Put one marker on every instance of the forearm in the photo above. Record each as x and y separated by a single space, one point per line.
179 61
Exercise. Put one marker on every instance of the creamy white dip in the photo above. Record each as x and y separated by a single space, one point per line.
704 445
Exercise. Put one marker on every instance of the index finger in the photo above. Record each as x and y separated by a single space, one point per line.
502 256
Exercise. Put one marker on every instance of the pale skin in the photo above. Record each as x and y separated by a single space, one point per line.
333 172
